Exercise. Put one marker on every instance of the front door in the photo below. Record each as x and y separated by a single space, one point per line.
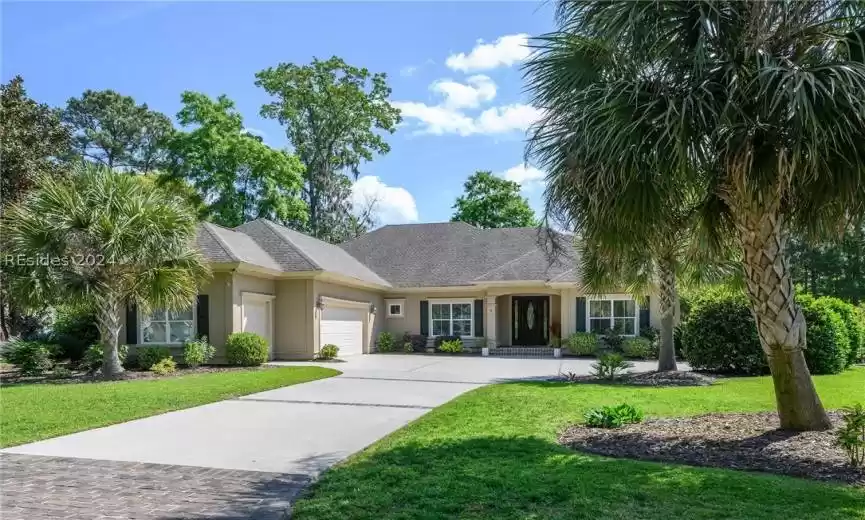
531 316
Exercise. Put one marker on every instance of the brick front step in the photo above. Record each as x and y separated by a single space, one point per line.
522 351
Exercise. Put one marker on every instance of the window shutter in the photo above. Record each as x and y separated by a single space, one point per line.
581 314
131 324
202 315
645 317
424 317
479 318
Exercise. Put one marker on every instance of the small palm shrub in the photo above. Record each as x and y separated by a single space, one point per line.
91 361
31 357
582 344
198 352
828 344
610 366
385 342
246 349
149 356
329 351
452 346
164 367
613 416
851 436
640 348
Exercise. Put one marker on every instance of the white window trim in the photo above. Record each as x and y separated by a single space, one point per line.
613 297
141 341
449 301
400 302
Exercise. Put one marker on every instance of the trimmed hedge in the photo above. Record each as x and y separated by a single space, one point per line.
583 344
828 345
246 349
640 348
855 323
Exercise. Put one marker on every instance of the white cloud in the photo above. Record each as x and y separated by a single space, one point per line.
436 119
505 51
528 177
476 90
394 205
408 71
507 118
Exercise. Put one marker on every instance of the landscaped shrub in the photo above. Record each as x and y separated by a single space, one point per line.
851 436
452 346
91 361
854 323
640 348
151 355
407 347
437 342
31 357
418 341
583 344
329 351
828 345
609 366
612 340
385 342
720 335
613 416
246 349
164 367
198 352
74 329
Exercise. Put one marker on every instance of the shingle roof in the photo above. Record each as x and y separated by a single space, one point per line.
219 244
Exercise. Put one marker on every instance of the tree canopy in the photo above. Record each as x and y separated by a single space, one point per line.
492 202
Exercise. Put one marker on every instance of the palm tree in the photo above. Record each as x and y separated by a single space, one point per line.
104 239
754 109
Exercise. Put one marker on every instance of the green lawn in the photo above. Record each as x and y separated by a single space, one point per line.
34 412
491 454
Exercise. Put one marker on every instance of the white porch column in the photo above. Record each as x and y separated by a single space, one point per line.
490 323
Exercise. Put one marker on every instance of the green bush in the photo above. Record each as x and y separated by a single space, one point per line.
612 340
385 342
582 344
75 331
828 344
452 346
164 367
613 416
418 341
407 347
31 357
851 436
198 352
855 324
151 355
91 361
720 335
246 349
437 342
329 351
609 366
640 348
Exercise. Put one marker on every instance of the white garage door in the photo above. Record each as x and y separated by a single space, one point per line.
343 327
256 318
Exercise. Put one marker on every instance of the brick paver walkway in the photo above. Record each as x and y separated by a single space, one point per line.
37 488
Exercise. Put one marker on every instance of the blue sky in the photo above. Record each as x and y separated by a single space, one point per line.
453 67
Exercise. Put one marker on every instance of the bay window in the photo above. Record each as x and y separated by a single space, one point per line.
616 313
451 318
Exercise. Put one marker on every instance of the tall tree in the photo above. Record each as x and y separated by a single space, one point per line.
33 143
492 202
754 108
334 116
113 239
236 175
834 267
111 129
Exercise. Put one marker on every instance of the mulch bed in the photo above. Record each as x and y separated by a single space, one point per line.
654 378
10 377
742 441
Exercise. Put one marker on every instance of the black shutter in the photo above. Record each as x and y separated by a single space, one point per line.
581 314
131 324
424 317
202 315
479 318
645 317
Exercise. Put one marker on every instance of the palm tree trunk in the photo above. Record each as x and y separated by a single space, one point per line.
780 322
108 315
667 304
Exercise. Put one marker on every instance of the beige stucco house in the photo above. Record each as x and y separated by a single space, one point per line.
492 287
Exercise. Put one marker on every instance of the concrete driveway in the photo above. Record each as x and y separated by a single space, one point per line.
285 436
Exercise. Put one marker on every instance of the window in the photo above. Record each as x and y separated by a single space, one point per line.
167 327
614 313
395 308
451 318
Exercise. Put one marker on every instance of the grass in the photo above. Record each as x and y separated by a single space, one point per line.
492 454
35 412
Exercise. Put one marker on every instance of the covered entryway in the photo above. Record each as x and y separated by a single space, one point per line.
343 327
257 316
531 319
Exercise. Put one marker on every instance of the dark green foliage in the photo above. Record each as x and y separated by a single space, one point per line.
149 356
612 340
855 324
610 366
851 436
437 342
246 349
493 202
91 361
31 357
834 266
453 346
828 343
385 342
418 341
720 336
640 348
329 351
613 416
74 330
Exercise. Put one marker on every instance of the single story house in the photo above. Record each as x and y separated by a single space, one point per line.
489 286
